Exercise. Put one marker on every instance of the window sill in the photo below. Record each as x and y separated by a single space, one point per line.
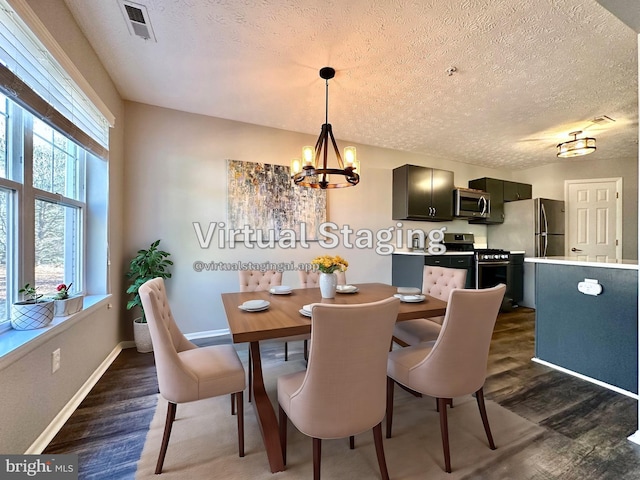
14 344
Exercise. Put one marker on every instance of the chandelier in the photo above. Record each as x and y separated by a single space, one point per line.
312 170
577 146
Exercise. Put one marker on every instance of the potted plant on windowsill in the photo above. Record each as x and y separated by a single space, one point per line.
64 304
146 265
33 312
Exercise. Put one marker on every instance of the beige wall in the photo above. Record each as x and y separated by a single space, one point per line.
31 395
176 175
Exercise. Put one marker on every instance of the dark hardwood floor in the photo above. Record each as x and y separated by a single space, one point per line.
586 425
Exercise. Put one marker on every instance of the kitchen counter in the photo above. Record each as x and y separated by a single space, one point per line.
587 320
622 264
424 252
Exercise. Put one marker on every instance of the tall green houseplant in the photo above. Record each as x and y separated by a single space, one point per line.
146 265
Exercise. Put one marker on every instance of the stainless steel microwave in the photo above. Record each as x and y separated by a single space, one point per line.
469 203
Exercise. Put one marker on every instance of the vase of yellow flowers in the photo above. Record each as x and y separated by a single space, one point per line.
328 265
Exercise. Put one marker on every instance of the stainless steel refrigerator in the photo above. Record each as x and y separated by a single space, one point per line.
534 226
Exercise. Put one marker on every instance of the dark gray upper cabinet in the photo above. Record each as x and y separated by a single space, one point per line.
422 193
514 191
501 191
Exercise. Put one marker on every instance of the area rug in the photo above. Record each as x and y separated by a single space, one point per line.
203 442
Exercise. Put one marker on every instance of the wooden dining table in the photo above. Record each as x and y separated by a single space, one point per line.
283 319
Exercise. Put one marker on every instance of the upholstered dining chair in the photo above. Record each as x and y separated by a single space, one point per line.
341 393
186 372
255 281
437 282
311 279
456 363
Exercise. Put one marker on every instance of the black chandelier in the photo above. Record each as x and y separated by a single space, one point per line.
309 172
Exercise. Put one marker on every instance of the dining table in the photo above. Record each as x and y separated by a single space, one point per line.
283 318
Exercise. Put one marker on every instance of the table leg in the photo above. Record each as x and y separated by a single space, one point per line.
265 413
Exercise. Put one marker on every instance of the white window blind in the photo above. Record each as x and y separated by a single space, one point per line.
29 68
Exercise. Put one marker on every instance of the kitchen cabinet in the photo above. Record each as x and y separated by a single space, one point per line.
514 191
515 278
422 193
501 191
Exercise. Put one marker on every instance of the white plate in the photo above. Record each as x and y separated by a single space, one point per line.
253 304
410 298
346 289
304 312
307 308
280 290
409 291
259 309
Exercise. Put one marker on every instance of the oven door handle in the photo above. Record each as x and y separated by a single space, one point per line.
494 263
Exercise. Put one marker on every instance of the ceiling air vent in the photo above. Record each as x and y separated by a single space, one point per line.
137 19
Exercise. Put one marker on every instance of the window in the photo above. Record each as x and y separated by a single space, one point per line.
42 206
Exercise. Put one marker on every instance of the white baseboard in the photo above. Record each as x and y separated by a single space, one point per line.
57 423
635 438
588 379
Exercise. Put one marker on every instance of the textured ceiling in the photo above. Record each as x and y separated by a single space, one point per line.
528 72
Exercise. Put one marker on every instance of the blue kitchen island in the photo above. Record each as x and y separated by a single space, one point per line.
587 319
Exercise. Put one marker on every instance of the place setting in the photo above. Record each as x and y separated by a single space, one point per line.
255 305
410 295
346 289
306 310
280 290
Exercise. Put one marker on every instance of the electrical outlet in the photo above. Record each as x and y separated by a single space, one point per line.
55 361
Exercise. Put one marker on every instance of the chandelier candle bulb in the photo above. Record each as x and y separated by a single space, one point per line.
296 166
350 157
308 159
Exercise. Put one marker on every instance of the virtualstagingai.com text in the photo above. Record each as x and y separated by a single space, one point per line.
327 235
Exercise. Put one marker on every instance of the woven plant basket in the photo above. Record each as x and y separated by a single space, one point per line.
29 315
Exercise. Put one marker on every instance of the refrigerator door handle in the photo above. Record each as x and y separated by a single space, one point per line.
543 233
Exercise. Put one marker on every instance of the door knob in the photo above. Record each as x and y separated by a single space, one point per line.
574 249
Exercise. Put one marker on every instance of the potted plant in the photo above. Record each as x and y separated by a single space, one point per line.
33 312
64 304
146 265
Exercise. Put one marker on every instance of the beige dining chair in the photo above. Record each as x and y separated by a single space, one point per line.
456 363
311 279
436 282
186 372
341 393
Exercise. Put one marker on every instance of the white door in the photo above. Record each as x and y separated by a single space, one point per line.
594 219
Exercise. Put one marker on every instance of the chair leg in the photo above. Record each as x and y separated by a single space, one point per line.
317 453
233 404
449 402
240 408
171 415
444 431
286 351
352 442
390 384
283 433
485 420
306 350
250 375
377 439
